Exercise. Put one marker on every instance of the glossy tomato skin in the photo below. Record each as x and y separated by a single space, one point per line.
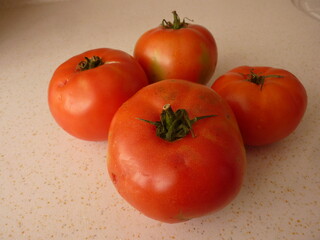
84 102
266 113
188 53
190 177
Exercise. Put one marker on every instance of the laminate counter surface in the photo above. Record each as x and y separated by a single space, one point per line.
54 186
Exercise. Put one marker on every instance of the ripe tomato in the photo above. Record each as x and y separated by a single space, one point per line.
86 90
175 169
268 103
177 50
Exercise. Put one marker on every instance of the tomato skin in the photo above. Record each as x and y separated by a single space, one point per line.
265 114
190 177
84 102
188 53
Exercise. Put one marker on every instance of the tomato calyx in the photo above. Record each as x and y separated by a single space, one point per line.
174 125
177 24
259 79
89 63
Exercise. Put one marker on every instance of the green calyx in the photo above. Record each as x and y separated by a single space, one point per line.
89 63
174 125
259 79
177 23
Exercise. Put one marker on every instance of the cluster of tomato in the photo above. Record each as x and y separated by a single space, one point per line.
176 147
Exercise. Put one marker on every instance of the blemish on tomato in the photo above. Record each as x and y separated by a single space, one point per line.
181 216
114 178
63 83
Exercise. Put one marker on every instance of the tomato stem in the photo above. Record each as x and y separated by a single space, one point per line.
259 79
89 63
177 24
174 125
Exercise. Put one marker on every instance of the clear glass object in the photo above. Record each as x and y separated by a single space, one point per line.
311 7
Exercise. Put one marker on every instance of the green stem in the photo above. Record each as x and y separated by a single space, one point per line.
177 24
89 63
259 79
174 125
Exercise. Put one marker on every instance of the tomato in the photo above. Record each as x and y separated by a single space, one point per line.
177 50
86 90
183 164
268 103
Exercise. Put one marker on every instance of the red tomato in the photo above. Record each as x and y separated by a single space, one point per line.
84 97
177 50
176 169
268 103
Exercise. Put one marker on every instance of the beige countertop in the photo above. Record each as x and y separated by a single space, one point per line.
54 186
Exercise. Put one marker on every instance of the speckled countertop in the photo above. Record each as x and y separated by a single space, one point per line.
54 186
